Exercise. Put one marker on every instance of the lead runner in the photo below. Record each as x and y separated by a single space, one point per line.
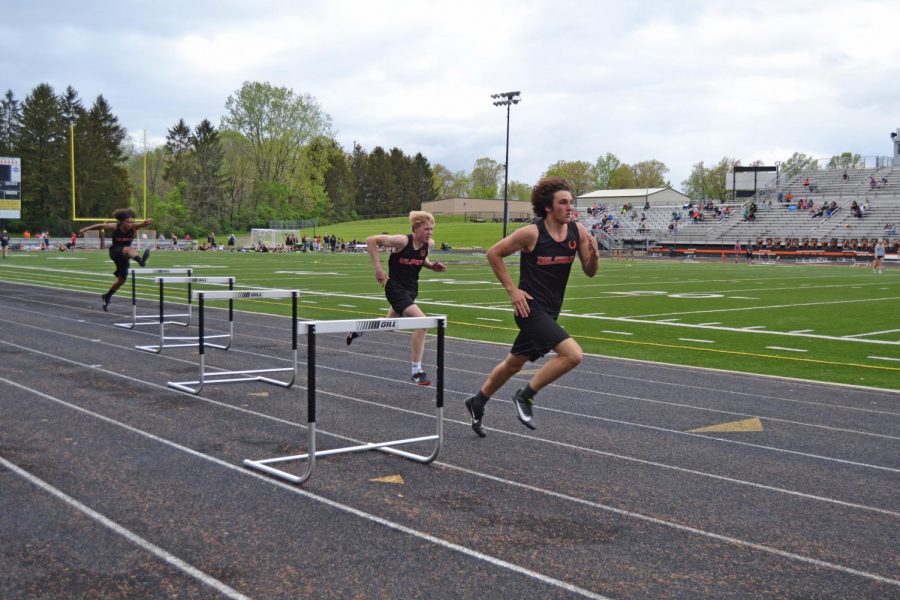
548 248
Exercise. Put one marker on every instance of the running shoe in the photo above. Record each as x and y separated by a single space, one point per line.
476 414
523 409
352 336
105 302
421 378
145 256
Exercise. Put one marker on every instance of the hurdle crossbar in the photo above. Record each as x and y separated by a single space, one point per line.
138 320
207 378
311 329
185 341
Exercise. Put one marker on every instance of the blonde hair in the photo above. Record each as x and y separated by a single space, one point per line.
417 217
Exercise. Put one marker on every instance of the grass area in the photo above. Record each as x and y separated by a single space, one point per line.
819 322
452 229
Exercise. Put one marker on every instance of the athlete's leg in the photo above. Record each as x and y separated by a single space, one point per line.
502 373
116 285
418 336
568 356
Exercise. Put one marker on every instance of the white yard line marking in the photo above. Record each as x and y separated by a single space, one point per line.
786 349
884 358
743 298
710 323
126 533
668 320
347 305
872 333
489 319
696 340
752 327
617 332
802 331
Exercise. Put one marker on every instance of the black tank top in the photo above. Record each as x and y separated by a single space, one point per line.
404 266
122 238
544 272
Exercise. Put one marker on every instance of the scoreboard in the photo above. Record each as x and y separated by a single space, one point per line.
10 187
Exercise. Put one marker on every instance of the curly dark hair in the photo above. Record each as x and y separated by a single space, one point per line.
123 213
542 194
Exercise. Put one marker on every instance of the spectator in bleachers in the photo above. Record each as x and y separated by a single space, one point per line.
845 178
855 210
872 182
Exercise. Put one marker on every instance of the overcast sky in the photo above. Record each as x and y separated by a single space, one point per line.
676 81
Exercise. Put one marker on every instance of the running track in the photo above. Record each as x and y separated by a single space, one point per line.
114 485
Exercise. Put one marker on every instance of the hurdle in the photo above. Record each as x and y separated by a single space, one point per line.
151 319
217 377
181 341
311 329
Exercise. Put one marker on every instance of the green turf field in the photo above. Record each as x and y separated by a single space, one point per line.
821 322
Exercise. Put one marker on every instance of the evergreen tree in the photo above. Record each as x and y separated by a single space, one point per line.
102 180
41 144
424 189
178 153
206 182
10 123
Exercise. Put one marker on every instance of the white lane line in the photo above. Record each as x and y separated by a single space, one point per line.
752 327
786 349
462 549
696 340
347 305
668 320
616 332
743 298
488 319
872 333
884 358
334 504
802 331
710 323
309 302
127 534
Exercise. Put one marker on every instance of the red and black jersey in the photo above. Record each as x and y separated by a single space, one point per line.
122 238
404 266
544 272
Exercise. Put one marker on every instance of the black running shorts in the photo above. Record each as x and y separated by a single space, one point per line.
539 333
399 298
119 258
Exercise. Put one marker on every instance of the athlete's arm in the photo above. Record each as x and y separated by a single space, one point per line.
434 266
96 226
395 242
588 251
522 239
143 223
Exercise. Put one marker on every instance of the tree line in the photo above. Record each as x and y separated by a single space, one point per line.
273 157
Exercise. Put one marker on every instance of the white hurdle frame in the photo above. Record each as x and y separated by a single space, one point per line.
311 329
207 378
151 319
184 341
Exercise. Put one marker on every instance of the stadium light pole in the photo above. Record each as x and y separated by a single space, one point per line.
506 99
